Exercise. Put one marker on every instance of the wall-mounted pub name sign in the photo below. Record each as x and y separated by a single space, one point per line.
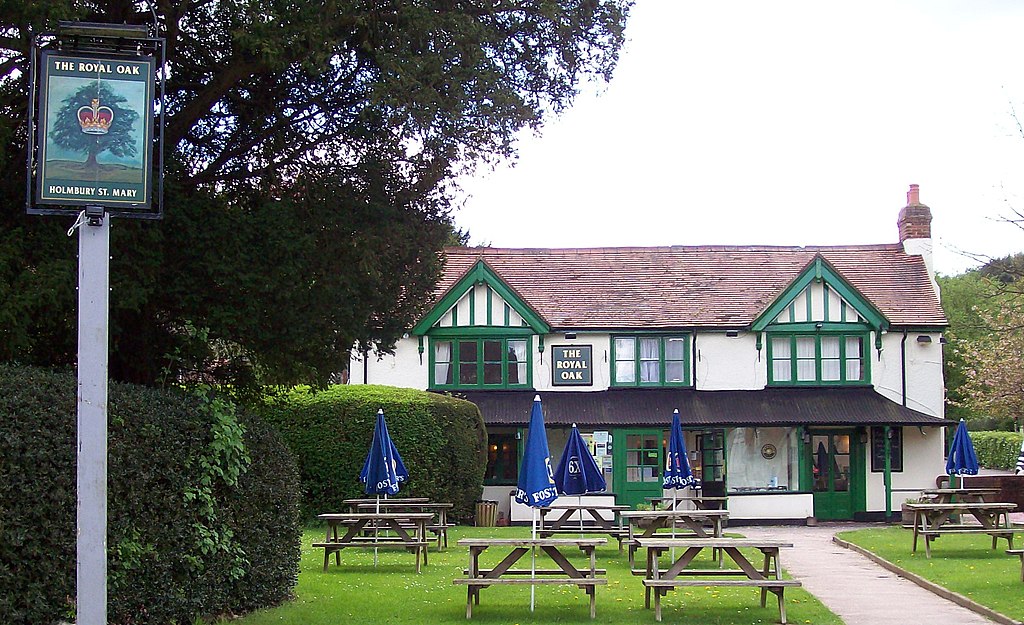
572 365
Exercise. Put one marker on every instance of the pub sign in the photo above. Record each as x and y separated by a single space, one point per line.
95 131
572 365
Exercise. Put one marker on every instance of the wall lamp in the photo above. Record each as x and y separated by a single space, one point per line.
806 435
570 335
732 333
923 339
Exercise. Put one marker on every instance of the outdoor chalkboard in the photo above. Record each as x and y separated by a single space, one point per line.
878 449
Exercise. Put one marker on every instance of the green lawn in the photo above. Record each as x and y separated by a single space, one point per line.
965 564
392 592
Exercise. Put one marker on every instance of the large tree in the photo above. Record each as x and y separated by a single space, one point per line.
313 147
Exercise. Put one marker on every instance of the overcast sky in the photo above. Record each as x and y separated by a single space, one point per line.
780 123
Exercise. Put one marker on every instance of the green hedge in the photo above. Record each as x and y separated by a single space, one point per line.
997 450
202 505
441 439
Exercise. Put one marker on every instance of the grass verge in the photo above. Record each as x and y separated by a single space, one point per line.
392 592
963 563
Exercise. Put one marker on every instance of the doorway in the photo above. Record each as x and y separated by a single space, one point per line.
837 482
637 461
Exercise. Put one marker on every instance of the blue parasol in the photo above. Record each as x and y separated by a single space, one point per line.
536 486
962 460
1019 469
383 469
577 472
678 473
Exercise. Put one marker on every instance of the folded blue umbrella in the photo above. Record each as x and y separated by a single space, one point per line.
536 486
577 472
383 469
678 473
962 460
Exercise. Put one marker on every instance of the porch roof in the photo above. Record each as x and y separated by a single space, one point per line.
653 407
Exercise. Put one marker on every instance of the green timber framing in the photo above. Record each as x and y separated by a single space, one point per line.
481 273
820 270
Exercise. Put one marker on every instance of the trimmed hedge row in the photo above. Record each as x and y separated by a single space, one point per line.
442 441
202 505
997 450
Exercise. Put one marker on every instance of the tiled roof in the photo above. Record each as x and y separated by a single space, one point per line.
653 407
682 286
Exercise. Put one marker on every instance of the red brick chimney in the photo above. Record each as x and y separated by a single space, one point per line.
915 221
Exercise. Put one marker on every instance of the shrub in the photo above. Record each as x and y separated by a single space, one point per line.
202 505
442 441
996 450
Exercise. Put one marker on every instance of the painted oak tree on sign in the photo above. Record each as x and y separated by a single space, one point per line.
95 101
313 151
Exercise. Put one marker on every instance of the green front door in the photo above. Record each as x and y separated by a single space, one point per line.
835 478
637 458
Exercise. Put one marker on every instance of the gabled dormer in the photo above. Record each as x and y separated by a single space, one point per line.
479 334
819 330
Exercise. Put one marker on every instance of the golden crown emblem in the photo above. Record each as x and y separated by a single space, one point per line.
95 119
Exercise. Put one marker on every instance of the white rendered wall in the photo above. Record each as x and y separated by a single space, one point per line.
923 371
403 369
729 363
783 506
923 460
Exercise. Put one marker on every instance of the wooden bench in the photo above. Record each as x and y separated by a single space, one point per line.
1020 554
409 533
775 586
932 520
567 573
768 577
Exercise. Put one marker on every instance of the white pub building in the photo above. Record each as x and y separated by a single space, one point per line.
808 379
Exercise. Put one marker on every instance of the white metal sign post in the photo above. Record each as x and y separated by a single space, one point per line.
93 290
95 128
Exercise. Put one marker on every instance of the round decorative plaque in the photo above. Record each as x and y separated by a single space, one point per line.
768 451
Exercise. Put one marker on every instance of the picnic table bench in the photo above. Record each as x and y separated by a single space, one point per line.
478 577
409 532
701 523
437 526
699 502
661 580
952 495
1020 554
931 520
603 519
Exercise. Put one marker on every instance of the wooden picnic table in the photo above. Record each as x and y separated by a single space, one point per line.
933 519
353 504
603 519
953 495
478 577
676 574
405 530
699 502
701 523
438 527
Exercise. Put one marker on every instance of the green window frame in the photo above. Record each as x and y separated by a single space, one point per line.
476 362
818 359
650 360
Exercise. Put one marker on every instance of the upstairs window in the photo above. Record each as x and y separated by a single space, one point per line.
480 363
650 360
817 359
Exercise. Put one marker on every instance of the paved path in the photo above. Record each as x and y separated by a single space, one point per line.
855 588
